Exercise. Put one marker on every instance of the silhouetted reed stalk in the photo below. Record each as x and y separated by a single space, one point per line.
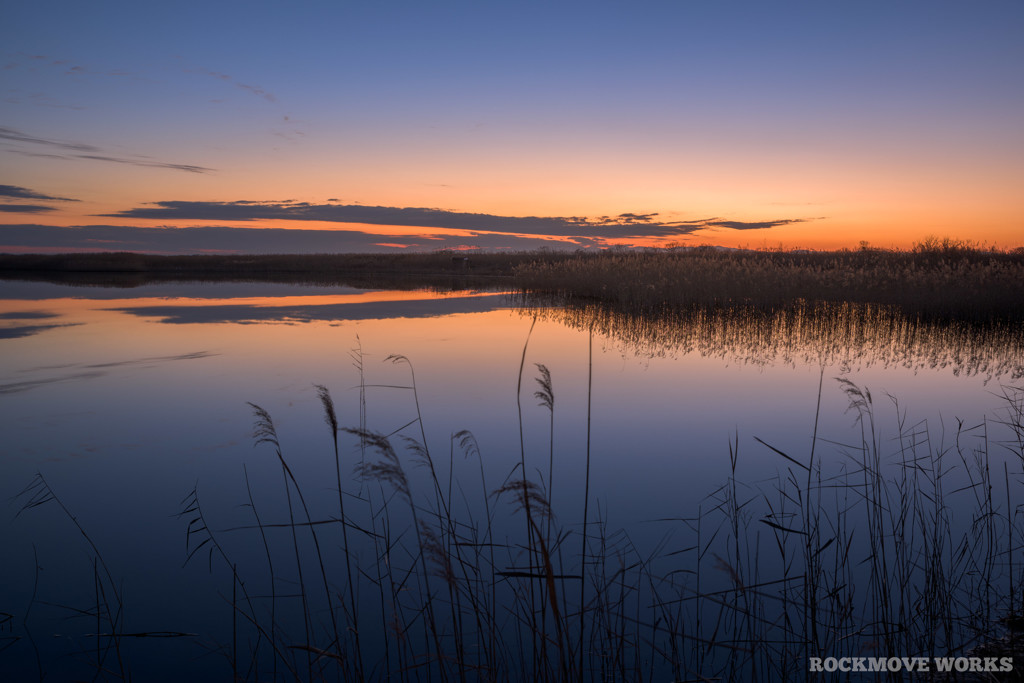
528 496
199 535
530 543
546 396
389 470
469 446
352 610
109 603
445 547
586 503
7 618
265 432
270 564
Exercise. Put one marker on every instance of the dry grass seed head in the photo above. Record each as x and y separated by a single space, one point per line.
546 394
525 492
436 554
468 443
388 469
330 417
420 454
263 430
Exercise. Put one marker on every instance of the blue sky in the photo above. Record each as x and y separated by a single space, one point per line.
828 122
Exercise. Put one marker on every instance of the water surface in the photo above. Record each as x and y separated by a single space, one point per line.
127 399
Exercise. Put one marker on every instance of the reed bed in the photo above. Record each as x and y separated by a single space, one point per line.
935 278
418 567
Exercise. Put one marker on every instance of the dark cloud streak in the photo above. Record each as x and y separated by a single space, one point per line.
152 164
760 225
623 226
18 136
15 192
75 150
255 90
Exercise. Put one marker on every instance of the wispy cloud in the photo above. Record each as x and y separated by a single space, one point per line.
15 192
18 136
152 164
754 225
623 226
18 194
253 89
78 150
34 62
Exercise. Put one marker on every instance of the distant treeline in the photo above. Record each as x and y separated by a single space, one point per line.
256 266
441 270
934 278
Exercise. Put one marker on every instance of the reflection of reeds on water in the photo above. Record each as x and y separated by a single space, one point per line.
845 335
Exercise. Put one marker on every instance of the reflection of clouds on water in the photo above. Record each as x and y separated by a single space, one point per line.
26 315
82 371
14 387
19 331
850 336
376 310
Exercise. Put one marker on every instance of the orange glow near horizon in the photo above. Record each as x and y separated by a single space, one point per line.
846 209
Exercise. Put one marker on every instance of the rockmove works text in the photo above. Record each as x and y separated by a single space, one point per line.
893 664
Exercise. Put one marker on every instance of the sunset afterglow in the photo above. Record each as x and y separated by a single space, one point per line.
411 126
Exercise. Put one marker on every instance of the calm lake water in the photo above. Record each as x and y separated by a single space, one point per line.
126 400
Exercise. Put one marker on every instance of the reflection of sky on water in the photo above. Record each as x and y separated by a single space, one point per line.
125 413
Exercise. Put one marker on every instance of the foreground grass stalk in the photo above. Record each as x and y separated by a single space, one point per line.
38 493
331 418
536 658
586 503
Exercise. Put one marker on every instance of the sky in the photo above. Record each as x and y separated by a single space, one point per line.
270 127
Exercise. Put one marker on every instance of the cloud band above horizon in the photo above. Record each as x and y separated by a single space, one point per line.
623 226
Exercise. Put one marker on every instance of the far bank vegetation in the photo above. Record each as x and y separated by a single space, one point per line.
936 277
